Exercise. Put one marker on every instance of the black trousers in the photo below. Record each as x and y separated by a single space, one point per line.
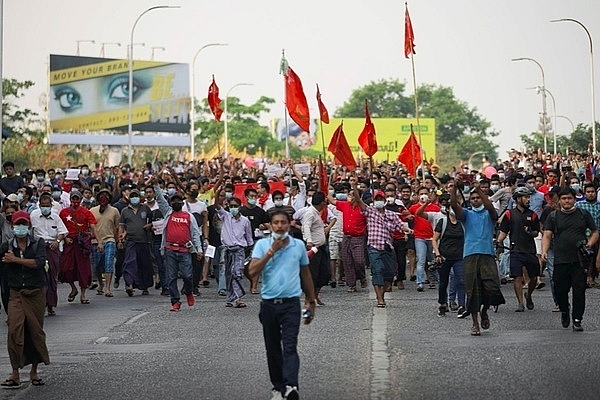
281 325
567 276
400 252
119 259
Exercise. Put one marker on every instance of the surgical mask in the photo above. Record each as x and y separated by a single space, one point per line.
443 209
480 208
171 191
252 202
341 196
228 195
309 201
134 201
379 204
530 185
58 176
278 203
19 197
234 211
87 201
281 236
40 179
390 200
194 194
46 211
85 172
20 231
56 195
494 188
575 186
501 175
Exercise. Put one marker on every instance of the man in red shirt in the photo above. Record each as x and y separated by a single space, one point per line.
423 231
75 262
354 241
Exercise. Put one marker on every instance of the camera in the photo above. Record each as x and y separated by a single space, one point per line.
585 251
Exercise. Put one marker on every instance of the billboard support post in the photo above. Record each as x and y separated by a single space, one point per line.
130 90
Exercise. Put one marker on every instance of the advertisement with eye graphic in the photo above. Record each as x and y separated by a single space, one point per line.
92 94
392 134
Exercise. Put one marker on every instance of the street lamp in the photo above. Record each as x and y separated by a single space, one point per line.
130 89
83 41
539 90
103 45
543 98
156 48
227 115
135 44
591 76
193 110
570 121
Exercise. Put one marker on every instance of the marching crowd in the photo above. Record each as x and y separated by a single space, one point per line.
464 233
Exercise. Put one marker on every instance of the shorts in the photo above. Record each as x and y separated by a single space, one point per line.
382 265
104 261
335 248
520 260
410 242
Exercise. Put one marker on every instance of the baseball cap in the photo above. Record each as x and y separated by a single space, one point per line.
75 193
20 216
379 193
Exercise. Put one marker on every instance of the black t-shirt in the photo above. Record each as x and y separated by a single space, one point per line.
11 184
452 242
156 215
214 227
568 229
518 224
256 215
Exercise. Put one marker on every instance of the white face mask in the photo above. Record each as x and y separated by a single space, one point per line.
278 203
309 201
494 188
379 204
480 208
443 209
281 236
391 200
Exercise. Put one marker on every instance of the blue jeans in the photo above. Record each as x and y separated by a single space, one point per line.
281 324
382 265
178 263
424 251
459 278
452 287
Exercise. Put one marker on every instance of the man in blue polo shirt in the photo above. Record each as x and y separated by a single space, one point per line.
283 261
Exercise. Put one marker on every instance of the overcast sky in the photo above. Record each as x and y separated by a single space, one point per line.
341 45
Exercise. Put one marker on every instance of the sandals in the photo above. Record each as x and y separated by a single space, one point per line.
85 301
72 296
129 291
37 382
51 313
11 384
380 305
520 308
108 294
99 292
475 331
239 304
485 321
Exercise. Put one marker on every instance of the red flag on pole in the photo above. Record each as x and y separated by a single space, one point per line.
214 101
409 35
341 150
367 138
322 110
295 100
411 153
323 180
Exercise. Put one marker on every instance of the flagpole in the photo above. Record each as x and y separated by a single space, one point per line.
412 62
322 137
283 71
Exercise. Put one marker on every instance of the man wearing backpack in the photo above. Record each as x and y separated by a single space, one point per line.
523 225
566 229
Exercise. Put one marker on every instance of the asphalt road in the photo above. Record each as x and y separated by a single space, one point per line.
129 348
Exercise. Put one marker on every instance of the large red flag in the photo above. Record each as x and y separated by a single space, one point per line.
411 153
322 110
409 35
295 100
367 138
214 101
341 150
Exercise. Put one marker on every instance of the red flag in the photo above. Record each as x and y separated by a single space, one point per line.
214 101
409 35
324 182
322 110
411 153
341 150
295 100
367 138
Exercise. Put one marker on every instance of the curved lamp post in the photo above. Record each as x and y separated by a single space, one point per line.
103 45
193 110
130 90
591 75
83 41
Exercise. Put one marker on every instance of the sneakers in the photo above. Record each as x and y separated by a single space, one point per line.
453 306
420 287
461 312
577 326
565 319
196 292
276 395
190 299
175 306
291 393
442 310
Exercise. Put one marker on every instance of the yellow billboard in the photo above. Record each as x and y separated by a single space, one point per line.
392 134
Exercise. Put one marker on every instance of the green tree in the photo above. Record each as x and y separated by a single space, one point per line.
458 126
15 120
579 140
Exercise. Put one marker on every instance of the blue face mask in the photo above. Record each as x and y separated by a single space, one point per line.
170 191
46 211
228 195
252 202
575 186
480 208
56 195
20 231
341 196
134 201
234 211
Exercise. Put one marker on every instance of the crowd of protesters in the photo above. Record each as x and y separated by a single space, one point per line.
463 233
